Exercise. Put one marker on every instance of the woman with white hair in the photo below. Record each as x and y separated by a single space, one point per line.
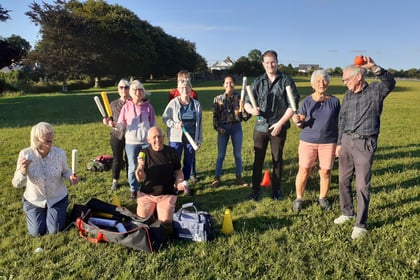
318 118
136 117
42 169
184 112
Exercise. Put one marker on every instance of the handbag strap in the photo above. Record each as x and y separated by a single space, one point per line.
189 205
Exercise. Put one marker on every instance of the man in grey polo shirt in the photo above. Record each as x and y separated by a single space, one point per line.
358 130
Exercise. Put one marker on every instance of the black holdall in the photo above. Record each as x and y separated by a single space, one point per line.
193 225
98 221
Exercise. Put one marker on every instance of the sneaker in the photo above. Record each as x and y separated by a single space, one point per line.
255 195
194 179
215 183
297 205
358 232
276 195
342 219
241 182
187 190
133 195
114 186
324 204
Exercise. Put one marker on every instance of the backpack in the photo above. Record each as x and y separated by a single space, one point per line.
100 163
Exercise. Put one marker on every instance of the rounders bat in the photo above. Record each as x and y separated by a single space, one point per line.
99 105
106 104
241 109
292 101
251 97
190 139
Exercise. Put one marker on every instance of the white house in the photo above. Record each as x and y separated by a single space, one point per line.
222 65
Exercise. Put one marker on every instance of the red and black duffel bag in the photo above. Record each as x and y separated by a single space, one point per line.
99 221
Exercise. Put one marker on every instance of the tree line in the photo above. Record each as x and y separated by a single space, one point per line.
95 41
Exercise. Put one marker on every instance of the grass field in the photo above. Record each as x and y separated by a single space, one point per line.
269 242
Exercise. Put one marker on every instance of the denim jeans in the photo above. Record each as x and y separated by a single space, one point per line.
132 151
189 155
233 131
51 219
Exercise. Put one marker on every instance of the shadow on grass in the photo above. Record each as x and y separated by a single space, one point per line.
415 212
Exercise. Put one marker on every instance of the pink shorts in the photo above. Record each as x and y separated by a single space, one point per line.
164 205
309 152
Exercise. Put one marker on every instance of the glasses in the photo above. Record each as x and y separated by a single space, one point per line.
348 79
123 87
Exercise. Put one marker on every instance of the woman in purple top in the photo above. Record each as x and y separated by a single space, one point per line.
318 118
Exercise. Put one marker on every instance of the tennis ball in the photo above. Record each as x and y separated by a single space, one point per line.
142 155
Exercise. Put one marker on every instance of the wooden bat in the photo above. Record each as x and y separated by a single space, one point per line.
190 139
106 104
99 105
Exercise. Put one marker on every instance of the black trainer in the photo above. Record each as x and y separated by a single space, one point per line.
255 195
324 204
276 195
297 205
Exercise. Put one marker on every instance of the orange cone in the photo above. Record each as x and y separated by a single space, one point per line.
266 182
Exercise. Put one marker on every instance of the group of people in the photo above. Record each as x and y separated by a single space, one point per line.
156 175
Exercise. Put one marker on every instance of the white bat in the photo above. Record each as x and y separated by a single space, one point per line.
99 105
292 101
74 161
243 92
251 96
190 139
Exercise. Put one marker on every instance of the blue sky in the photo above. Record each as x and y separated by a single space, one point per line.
325 32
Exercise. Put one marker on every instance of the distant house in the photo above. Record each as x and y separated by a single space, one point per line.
222 65
306 68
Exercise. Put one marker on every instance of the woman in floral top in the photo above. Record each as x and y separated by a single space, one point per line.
227 119
42 169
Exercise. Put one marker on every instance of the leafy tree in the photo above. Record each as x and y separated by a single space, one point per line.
97 39
13 50
117 42
60 52
255 55
4 14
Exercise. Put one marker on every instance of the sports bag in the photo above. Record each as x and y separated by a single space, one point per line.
103 222
100 163
193 225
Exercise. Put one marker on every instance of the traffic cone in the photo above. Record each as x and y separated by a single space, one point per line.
266 182
227 227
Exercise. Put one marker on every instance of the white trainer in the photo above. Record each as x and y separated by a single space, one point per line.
358 232
342 219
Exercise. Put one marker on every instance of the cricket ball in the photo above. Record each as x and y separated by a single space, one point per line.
359 60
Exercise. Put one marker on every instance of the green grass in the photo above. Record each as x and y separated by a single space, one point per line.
269 242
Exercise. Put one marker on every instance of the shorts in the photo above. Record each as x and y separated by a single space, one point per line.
163 204
309 152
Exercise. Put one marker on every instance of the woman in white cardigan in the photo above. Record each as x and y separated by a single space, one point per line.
184 112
